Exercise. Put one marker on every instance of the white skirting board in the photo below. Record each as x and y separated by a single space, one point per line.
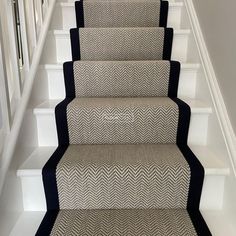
214 88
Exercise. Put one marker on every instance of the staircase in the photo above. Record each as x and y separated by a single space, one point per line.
123 130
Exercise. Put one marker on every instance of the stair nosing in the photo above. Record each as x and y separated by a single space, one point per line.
72 4
66 32
50 110
223 170
59 66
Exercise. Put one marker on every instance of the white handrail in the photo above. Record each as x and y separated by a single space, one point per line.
29 81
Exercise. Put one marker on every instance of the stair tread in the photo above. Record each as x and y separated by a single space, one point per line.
124 222
71 4
212 163
215 220
68 9
197 106
66 32
59 66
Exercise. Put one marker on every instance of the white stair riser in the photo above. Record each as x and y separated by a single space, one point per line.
187 82
180 47
33 193
34 196
66 14
56 86
212 192
58 48
47 133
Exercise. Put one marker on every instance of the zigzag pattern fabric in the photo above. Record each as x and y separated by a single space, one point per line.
121 13
122 166
130 172
122 120
113 44
128 78
124 222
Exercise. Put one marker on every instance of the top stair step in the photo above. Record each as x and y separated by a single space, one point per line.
66 12
121 13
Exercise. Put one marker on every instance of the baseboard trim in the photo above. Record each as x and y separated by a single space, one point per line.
217 98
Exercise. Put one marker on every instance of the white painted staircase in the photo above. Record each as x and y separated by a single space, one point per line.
192 89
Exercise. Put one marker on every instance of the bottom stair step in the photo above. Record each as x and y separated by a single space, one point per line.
221 223
133 222
120 176
30 173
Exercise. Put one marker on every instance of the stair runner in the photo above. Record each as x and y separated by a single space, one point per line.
122 166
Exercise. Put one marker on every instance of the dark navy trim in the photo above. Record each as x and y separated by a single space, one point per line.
75 44
174 78
163 13
47 223
168 39
199 223
49 178
183 123
61 122
79 13
49 170
69 79
196 170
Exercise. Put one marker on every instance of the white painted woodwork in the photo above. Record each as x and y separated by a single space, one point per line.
16 125
23 227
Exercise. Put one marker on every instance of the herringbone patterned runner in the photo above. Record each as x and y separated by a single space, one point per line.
122 166
122 120
114 44
128 78
123 177
124 222
121 14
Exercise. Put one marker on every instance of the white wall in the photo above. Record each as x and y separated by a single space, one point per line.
0 117
217 19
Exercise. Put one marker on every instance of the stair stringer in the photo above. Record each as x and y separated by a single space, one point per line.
221 137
